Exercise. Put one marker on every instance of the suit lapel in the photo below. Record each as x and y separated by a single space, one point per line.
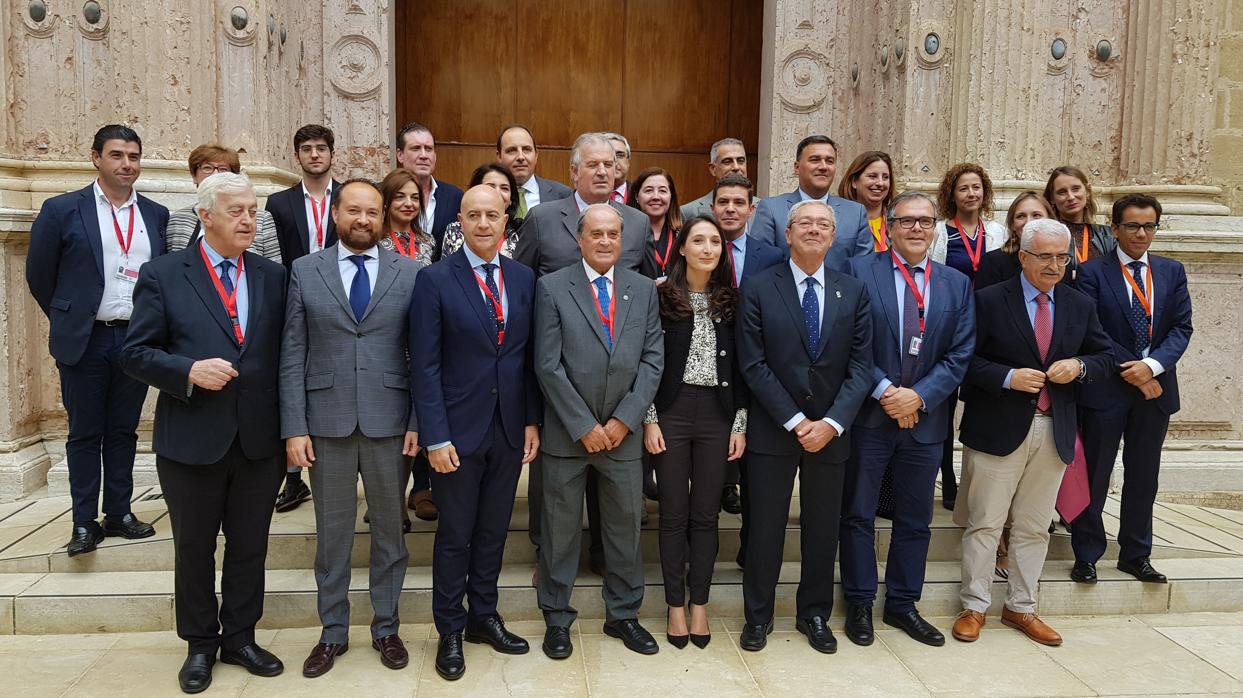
1117 284
623 305
581 292
465 276
90 226
832 297
297 208
935 301
568 222
786 288
254 295
146 208
331 274
197 275
1018 315
1060 312
330 227
384 279
882 270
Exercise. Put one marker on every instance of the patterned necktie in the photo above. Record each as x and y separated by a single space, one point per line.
1044 337
226 277
360 288
1141 324
811 315
910 328
522 202
602 297
496 293
733 246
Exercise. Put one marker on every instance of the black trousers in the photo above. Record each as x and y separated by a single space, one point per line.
475 503
103 405
949 482
235 496
691 473
770 485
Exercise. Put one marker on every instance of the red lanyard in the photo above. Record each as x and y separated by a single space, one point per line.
661 261
229 299
128 240
974 256
1143 298
319 212
878 234
910 282
495 301
411 250
607 319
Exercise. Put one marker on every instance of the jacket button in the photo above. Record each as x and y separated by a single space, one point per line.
1032 402
494 391
724 384
808 397
360 334
722 352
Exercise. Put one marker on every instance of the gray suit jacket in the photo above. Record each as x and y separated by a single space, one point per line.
548 238
552 190
338 374
703 207
584 383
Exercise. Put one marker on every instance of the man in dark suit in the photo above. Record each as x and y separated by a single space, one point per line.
479 413
815 163
1034 340
805 348
304 225
599 356
515 149
86 250
923 315
1144 306
206 333
416 152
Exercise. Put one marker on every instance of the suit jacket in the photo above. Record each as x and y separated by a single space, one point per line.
853 234
179 319
948 342
757 257
461 376
785 378
184 227
732 392
338 374
585 383
552 190
548 238
65 265
996 420
448 205
288 209
1101 280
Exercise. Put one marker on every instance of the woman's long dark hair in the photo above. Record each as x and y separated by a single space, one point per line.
675 300
476 179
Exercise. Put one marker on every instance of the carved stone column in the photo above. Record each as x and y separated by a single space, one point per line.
358 84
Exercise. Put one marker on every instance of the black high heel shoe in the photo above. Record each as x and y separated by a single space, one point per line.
700 641
678 641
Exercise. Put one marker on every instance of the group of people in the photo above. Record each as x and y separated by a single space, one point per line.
405 329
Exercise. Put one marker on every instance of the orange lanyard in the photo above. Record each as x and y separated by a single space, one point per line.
1081 252
878 234
973 255
919 295
229 299
1144 298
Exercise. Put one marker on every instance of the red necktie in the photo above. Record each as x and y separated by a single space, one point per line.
1044 337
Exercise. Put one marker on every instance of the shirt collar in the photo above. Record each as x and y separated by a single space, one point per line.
215 257
101 198
327 190
741 242
621 189
532 186
800 276
898 259
1126 259
344 253
477 261
804 196
592 274
1030 292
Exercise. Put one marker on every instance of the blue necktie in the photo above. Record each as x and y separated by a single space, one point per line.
1140 322
360 288
226 278
811 315
496 293
602 297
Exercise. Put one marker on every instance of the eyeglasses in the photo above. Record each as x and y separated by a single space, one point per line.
209 169
1045 258
1133 228
909 222
808 224
307 149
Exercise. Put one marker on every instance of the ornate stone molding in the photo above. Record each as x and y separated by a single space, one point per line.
803 79
97 30
931 44
43 28
248 33
355 67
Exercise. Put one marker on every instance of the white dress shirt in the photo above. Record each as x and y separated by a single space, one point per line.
428 216
532 190
349 269
800 283
592 275
312 243
118 299
1157 368
476 264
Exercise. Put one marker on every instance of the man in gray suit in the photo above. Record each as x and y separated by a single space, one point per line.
599 356
346 410
515 149
547 241
727 156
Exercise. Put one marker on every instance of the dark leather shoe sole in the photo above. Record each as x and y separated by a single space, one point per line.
630 645
146 532
196 689
226 658
316 674
860 639
1088 577
822 648
290 505
1159 579
479 639
557 654
449 675
937 640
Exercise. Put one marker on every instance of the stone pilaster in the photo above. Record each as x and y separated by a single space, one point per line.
358 84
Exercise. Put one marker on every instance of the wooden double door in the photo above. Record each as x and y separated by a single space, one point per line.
673 76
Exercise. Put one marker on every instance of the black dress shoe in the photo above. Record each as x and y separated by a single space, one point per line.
490 630
731 503
294 494
915 626
755 636
450 663
1142 570
254 659
128 526
650 490
195 674
557 643
85 539
632 635
818 634
859 625
1083 572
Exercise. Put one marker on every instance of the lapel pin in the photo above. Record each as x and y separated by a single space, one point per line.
839 294
625 298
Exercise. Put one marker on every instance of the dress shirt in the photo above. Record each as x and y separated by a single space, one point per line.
476 264
738 252
1029 302
621 190
118 299
532 190
312 242
899 285
427 218
804 196
592 275
1157 368
582 204
348 269
800 279
243 297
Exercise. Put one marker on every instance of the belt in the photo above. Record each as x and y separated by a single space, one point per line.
112 323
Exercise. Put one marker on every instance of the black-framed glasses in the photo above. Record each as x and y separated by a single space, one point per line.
1133 228
209 169
909 222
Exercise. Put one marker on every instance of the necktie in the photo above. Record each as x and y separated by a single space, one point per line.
360 288
737 268
602 296
1141 324
811 315
910 328
496 293
522 202
1044 336
226 278
617 196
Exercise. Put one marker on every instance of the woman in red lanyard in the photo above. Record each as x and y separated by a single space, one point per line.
402 205
869 180
653 193
498 177
1070 193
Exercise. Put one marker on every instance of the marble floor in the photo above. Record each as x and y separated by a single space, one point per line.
1166 654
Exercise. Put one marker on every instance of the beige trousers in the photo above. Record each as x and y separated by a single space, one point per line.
1021 487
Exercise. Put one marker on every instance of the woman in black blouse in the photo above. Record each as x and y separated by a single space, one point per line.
1002 264
698 421
1070 193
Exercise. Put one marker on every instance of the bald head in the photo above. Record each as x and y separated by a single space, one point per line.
483 220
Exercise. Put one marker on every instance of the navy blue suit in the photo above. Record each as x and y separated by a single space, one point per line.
878 443
757 257
479 395
1111 408
853 234
448 205
65 272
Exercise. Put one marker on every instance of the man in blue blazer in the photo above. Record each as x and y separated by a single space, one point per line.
815 163
479 409
86 248
1144 306
416 152
924 319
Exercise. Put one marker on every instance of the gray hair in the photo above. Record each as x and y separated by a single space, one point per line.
217 184
576 152
618 137
809 202
582 216
716 148
904 197
1047 227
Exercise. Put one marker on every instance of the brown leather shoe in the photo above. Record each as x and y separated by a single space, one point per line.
322 658
967 625
1031 626
424 506
392 651
410 499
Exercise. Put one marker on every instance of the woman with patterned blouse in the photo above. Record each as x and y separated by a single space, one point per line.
402 205
498 177
698 421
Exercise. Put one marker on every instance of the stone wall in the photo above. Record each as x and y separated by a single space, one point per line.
1227 139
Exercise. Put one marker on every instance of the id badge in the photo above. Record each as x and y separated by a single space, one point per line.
916 343
127 274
